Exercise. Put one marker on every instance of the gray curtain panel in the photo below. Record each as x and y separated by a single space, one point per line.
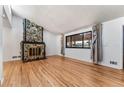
96 47
62 45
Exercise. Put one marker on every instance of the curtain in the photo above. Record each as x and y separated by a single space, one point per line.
96 47
62 45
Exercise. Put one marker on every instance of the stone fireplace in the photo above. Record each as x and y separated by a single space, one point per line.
32 46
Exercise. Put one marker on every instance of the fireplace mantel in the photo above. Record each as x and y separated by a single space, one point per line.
33 51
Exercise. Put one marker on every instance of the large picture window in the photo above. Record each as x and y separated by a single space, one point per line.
81 40
77 40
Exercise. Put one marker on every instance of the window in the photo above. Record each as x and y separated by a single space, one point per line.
87 39
77 40
81 40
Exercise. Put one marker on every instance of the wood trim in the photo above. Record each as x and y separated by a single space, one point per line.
33 42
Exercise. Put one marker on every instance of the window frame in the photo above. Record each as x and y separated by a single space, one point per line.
82 40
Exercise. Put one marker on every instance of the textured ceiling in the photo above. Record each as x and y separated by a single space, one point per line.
63 19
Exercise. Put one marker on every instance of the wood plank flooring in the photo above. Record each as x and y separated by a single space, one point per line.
56 71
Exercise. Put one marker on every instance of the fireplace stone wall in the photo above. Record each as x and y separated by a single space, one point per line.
32 46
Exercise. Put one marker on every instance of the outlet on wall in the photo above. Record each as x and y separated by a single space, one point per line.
16 57
113 62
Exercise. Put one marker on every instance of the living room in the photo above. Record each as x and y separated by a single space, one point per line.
61 45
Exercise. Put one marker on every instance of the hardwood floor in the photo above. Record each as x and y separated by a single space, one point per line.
59 71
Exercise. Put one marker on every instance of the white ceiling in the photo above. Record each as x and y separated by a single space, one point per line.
63 19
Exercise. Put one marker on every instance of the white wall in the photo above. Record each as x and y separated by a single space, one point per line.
8 11
58 41
52 45
81 54
1 58
113 42
12 36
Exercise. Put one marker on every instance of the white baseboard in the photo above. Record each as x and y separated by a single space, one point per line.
102 64
2 81
60 54
111 66
89 61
